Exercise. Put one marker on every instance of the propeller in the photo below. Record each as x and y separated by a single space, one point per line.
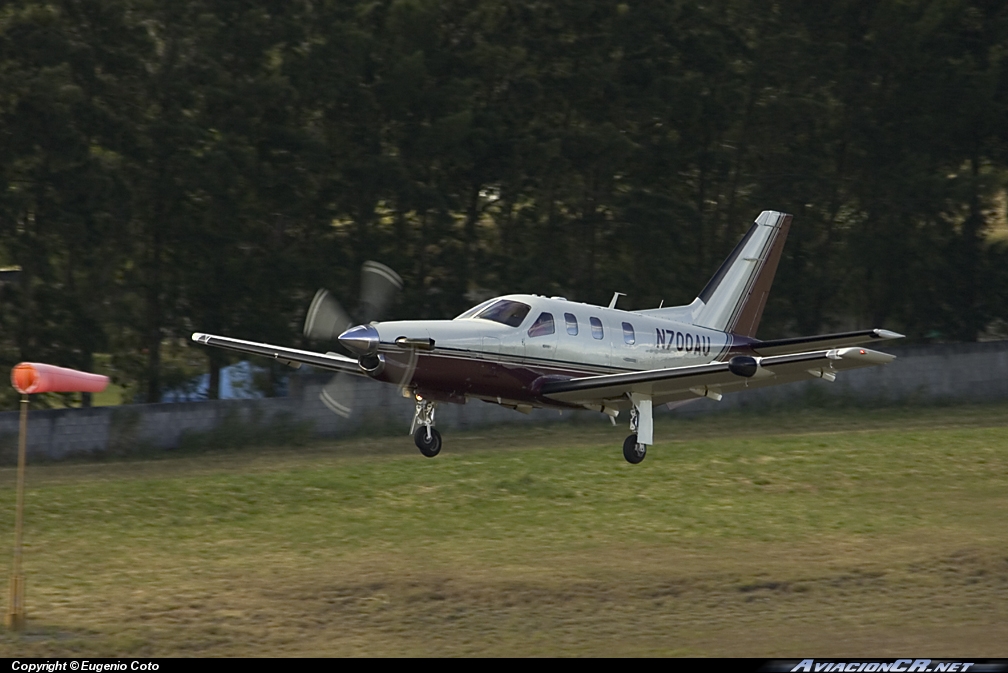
326 320
379 287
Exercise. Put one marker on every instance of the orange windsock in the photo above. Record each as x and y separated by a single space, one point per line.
33 377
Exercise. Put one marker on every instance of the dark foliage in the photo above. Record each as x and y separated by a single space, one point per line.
207 164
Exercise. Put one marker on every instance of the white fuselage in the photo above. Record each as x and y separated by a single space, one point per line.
627 340
471 356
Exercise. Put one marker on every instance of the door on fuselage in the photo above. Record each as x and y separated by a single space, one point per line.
541 340
625 345
572 340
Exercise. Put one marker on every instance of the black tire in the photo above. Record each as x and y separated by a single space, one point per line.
632 451
428 447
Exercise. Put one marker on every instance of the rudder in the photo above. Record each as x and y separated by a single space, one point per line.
734 298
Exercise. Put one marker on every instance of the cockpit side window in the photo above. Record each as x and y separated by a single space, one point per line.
571 320
596 326
506 312
542 326
628 334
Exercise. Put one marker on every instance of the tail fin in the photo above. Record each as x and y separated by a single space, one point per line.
734 298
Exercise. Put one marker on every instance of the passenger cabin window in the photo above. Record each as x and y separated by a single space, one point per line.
628 335
596 328
542 326
505 311
571 323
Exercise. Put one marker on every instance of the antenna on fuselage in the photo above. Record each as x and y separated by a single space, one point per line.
615 297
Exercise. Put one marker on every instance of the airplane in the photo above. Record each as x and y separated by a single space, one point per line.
527 351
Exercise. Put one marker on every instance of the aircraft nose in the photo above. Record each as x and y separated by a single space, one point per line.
362 340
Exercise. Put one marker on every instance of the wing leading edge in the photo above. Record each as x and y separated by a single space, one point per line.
821 341
289 356
710 380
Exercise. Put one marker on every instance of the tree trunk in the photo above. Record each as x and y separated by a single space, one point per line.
154 318
970 322
213 393
468 262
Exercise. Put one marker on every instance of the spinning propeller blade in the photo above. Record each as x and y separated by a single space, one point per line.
339 394
379 286
326 320
408 372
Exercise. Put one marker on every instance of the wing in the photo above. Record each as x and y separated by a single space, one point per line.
289 356
713 379
810 343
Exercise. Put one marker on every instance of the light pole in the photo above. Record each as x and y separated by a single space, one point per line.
15 610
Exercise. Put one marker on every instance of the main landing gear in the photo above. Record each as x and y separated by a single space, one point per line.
427 439
641 429
633 451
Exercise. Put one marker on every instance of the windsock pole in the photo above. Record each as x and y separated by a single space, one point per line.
33 377
15 613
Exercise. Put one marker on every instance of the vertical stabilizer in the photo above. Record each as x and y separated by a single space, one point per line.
734 298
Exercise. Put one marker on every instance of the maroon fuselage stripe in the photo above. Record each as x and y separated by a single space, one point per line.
450 377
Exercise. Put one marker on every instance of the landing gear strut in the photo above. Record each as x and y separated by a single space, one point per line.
633 450
427 439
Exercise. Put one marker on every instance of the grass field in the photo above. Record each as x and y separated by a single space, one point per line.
833 532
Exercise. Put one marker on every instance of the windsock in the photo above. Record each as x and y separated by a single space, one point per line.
33 377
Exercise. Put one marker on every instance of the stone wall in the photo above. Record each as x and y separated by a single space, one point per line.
924 374
921 374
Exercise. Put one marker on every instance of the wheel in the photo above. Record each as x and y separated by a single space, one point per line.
428 447
632 451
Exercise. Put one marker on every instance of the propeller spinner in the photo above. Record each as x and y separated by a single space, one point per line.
361 340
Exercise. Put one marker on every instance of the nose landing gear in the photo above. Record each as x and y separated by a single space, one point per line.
426 438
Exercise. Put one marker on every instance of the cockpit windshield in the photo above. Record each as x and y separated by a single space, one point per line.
474 310
505 311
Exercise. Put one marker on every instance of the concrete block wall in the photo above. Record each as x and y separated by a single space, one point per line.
929 374
925 374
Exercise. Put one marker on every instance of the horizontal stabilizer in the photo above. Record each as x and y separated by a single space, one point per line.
799 344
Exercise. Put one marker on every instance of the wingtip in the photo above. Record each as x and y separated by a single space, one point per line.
199 337
889 334
865 354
